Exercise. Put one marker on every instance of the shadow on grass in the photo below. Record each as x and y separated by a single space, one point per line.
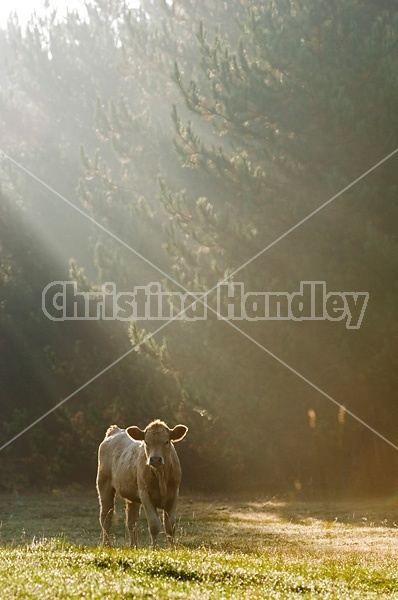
234 524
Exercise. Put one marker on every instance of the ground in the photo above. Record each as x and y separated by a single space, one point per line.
227 548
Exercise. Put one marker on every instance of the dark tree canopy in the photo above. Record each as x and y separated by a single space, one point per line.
199 134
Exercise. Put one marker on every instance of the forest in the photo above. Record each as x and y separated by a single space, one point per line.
178 146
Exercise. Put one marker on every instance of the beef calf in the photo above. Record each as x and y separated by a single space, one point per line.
142 466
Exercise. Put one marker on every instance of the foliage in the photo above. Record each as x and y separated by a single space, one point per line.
54 73
282 120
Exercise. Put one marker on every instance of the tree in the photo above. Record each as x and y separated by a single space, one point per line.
302 106
53 75
277 107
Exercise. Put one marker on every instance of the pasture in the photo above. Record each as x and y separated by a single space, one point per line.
227 548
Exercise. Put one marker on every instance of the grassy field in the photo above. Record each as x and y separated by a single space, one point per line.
227 548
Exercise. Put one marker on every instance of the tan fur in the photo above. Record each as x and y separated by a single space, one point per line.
145 472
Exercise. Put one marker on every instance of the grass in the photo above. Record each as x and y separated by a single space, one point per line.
226 549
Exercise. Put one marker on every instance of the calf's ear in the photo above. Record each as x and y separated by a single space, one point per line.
178 433
136 433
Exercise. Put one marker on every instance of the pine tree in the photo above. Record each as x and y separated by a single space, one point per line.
280 106
281 121
53 74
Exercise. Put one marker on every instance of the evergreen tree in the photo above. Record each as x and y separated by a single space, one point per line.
52 76
302 105
277 107
285 104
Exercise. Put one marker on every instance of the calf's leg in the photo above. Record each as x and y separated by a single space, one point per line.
169 515
132 514
106 495
152 516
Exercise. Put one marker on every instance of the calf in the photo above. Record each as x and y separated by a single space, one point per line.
143 468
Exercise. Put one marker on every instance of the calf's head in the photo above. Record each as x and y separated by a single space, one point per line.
157 437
